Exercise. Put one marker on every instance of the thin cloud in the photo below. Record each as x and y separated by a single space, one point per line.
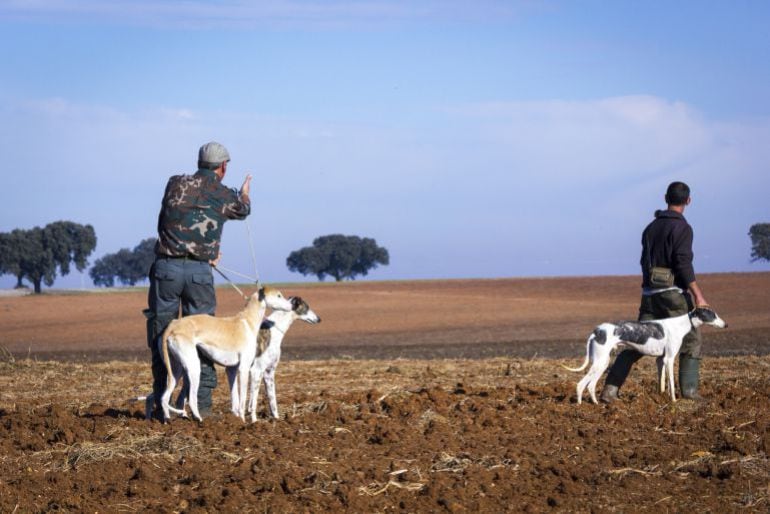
610 138
200 14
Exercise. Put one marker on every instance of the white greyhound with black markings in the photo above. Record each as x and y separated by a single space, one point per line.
229 341
271 336
660 338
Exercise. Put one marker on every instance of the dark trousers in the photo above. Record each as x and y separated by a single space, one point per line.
658 306
175 284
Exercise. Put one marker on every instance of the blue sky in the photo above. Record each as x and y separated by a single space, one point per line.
471 139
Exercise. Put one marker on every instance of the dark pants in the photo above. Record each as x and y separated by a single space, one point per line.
176 283
658 306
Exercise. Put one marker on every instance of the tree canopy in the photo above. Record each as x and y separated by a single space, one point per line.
339 256
126 266
36 254
11 248
760 241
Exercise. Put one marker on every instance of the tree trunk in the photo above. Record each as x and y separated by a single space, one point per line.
37 285
19 285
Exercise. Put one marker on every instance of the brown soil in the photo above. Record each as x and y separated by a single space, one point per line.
404 435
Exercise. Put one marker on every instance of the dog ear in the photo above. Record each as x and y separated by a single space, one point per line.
302 307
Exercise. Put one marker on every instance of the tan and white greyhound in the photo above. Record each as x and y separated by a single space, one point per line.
229 341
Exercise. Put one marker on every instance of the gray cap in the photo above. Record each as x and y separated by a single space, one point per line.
212 154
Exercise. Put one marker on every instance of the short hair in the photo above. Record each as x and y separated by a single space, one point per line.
677 193
203 165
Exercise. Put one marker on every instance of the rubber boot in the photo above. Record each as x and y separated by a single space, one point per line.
618 374
155 328
609 393
159 378
689 377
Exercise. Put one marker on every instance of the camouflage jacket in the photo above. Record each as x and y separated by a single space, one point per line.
194 209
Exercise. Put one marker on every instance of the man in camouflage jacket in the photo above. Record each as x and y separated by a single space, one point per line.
194 209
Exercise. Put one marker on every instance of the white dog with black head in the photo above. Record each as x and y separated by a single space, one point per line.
660 338
263 368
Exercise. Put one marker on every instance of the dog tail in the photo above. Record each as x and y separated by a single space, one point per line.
588 356
166 360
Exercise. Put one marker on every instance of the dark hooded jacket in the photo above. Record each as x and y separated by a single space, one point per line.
667 242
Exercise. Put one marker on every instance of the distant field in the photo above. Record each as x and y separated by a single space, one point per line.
417 319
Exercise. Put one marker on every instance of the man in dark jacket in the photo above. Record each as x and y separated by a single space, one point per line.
666 250
193 211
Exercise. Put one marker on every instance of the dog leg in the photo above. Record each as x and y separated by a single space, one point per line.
243 383
166 398
176 369
670 369
599 355
232 380
269 380
581 386
589 381
178 407
179 410
178 372
181 399
255 377
659 362
600 365
193 370
170 358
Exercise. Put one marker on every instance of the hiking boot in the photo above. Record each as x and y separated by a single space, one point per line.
609 393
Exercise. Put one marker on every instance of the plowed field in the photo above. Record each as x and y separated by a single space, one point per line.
408 397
